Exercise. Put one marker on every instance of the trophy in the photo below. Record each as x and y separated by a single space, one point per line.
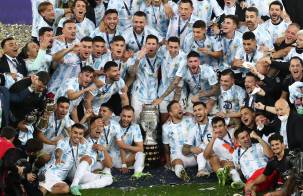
49 107
31 118
149 118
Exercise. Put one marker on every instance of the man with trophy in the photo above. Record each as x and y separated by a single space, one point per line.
56 127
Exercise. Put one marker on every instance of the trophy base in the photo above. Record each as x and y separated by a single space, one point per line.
152 156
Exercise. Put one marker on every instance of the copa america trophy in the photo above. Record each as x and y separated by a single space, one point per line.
149 119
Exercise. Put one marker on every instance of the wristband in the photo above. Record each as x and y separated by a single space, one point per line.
124 165
264 108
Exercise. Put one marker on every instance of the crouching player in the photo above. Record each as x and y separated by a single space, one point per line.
198 138
219 152
126 154
72 155
174 135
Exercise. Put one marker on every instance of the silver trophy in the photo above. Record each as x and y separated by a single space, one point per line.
149 119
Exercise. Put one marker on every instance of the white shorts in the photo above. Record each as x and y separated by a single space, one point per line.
188 161
50 180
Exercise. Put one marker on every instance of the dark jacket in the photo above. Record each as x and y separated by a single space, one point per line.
294 131
294 9
5 106
4 66
23 101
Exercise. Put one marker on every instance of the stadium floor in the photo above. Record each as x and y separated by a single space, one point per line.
162 182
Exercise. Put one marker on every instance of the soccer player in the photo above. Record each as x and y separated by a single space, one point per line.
58 123
219 152
276 165
209 49
174 135
111 83
231 96
136 35
263 38
201 79
65 158
144 71
129 149
251 158
174 59
276 26
231 40
76 88
198 138
181 24
108 28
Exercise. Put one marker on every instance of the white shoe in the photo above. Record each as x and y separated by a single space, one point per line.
202 173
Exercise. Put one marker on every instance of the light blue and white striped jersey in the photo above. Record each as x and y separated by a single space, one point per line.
56 127
128 135
106 36
104 93
60 45
169 68
250 159
70 157
252 58
98 155
204 9
262 36
70 68
231 100
135 42
109 136
175 135
209 42
84 28
99 12
203 80
145 87
230 47
156 17
275 31
99 64
179 28
73 85
200 134
126 9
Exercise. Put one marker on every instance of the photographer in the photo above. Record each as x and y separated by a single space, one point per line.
19 176
278 164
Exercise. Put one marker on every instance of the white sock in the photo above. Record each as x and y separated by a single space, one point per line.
178 169
99 183
139 162
201 161
82 168
106 170
235 175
